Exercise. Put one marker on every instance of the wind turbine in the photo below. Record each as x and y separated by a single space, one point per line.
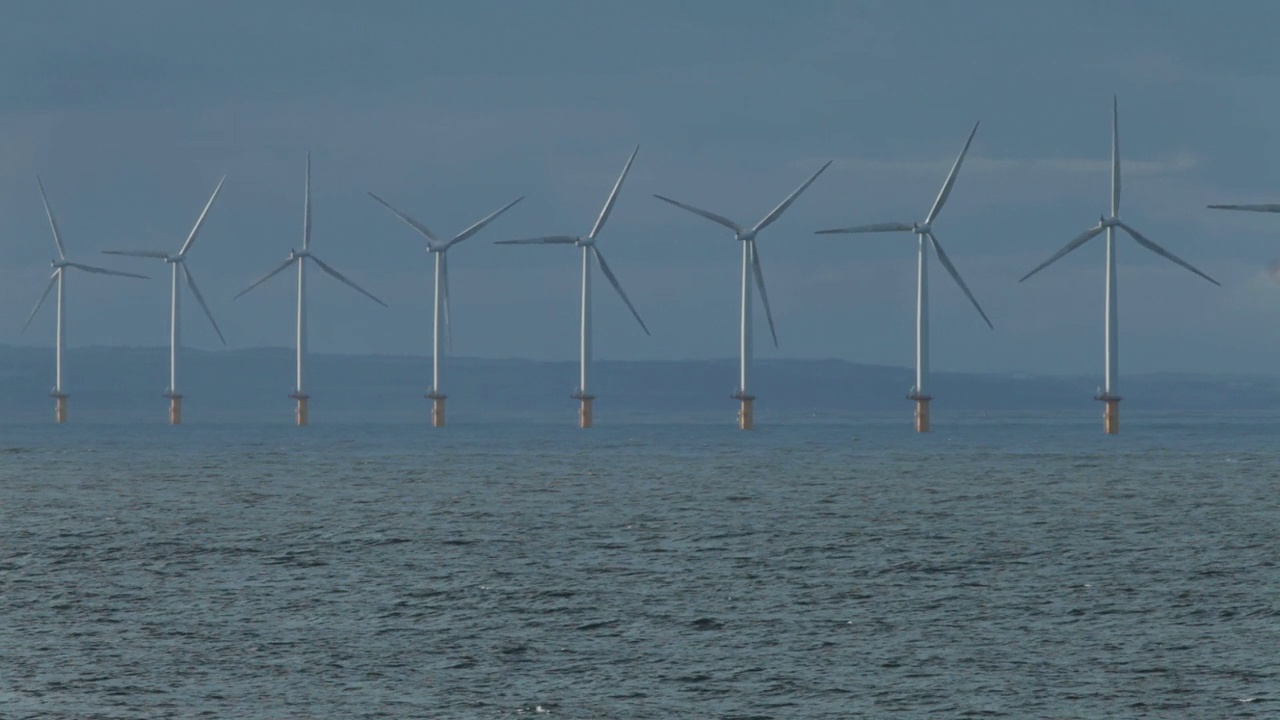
300 258
60 267
925 240
750 265
1109 393
177 262
440 250
586 416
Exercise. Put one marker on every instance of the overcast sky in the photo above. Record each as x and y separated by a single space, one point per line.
131 111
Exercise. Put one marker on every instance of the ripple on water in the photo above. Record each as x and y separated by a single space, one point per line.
646 571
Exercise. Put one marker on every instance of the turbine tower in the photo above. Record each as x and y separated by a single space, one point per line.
60 267
177 262
586 415
1110 391
925 239
441 306
300 258
750 265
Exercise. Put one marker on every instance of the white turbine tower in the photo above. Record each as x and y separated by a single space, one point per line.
441 311
586 417
177 262
60 267
1110 391
750 265
925 238
300 259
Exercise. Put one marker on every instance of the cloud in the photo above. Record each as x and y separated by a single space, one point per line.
1178 163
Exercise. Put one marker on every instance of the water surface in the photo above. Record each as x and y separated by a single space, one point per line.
1019 566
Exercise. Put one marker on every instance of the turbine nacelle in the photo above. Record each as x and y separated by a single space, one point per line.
174 259
921 229
745 235
1108 222
584 242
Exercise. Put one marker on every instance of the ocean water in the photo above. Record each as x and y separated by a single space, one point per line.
1017 566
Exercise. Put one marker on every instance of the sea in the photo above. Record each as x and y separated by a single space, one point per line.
1013 565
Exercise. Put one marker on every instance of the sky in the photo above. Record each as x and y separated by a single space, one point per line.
131 111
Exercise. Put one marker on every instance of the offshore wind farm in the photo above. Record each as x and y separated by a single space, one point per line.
649 478
751 277
826 299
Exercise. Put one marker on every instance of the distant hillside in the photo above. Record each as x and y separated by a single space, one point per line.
125 384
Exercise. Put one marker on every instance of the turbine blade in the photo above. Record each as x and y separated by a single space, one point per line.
1144 242
1081 239
431 237
53 223
104 271
195 230
613 196
268 276
444 296
1115 156
1251 208
955 275
782 207
704 213
138 253
480 225
306 209
342 278
191 283
548 240
950 182
613 280
764 296
53 280
874 228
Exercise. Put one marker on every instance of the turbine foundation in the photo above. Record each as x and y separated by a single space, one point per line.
922 411
1110 413
586 411
746 412
437 408
60 408
301 414
175 409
